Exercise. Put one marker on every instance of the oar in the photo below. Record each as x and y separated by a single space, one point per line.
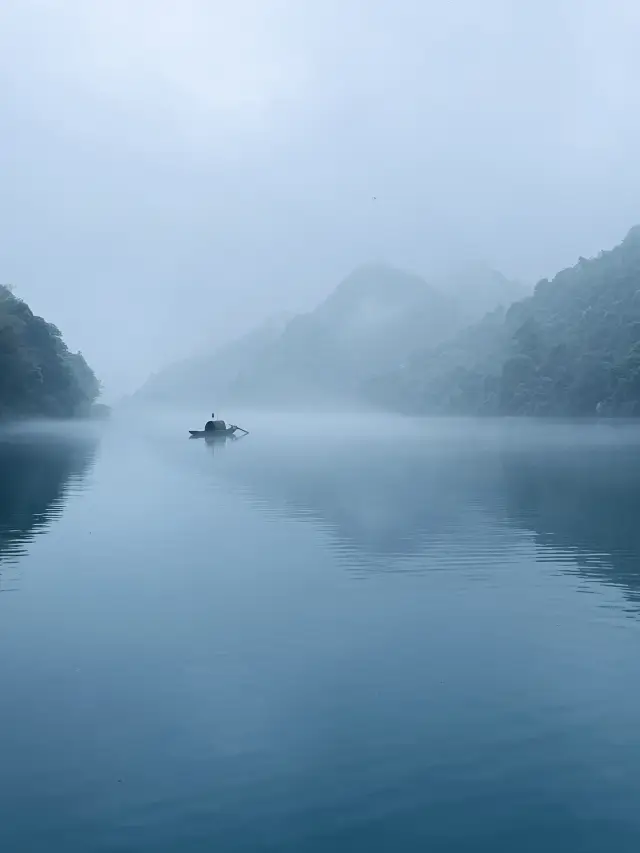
245 431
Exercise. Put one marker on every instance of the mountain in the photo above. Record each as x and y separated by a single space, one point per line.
39 375
373 320
570 349
481 289
208 375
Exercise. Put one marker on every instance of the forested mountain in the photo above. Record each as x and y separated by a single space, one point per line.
375 318
480 289
39 375
572 348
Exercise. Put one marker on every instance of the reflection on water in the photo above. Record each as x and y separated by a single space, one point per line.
321 642
390 504
583 506
39 469
378 499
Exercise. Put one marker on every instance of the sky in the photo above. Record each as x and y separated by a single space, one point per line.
174 171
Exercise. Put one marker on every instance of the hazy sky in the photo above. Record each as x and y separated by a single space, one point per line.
178 169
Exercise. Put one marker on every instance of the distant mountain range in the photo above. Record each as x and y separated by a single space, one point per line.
207 377
374 320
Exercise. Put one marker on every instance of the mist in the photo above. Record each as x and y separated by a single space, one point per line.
387 597
175 172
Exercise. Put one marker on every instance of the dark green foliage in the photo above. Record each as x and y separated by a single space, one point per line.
572 348
39 376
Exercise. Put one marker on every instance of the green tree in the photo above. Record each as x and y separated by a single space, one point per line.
38 373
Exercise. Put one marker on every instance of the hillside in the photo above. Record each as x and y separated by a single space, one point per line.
39 375
571 349
373 320
204 379
481 289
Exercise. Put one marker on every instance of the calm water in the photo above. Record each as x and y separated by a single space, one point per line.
313 640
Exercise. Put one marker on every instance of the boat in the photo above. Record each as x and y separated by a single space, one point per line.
216 434
212 433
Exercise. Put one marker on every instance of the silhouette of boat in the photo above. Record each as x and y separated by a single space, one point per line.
217 433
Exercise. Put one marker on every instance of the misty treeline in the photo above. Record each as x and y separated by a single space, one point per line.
571 349
374 319
470 345
39 375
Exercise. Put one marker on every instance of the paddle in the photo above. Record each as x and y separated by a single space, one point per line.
245 431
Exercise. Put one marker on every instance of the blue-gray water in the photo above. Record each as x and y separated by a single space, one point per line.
357 636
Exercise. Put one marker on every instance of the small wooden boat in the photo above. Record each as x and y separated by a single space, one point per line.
216 434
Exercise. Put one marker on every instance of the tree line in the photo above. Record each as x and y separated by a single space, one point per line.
39 375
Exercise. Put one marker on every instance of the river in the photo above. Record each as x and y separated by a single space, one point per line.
335 634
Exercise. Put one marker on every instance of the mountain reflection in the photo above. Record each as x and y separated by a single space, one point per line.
37 471
379 500
385 501
585 504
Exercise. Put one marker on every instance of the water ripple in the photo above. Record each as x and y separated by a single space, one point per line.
40 471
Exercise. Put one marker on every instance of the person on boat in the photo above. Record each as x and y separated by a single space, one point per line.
210 425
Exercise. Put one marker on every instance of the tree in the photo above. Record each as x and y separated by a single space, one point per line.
38 373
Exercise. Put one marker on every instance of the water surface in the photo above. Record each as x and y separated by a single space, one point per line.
355 636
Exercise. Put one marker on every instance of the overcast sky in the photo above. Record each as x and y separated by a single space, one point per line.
173 170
